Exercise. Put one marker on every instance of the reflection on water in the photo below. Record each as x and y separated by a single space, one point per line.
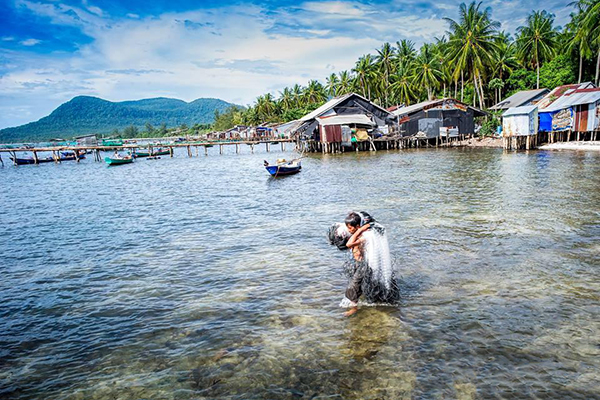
203 278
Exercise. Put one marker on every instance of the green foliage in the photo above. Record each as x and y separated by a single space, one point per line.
559 71
490 125
520 79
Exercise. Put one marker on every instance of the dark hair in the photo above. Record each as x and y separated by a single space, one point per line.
353 219
358 219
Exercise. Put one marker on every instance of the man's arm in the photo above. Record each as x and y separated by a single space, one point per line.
355 238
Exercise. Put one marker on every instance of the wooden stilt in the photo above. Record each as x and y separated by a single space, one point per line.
220 149
205 150
35 158
252 148
171 152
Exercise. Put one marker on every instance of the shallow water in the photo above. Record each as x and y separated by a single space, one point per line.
204 278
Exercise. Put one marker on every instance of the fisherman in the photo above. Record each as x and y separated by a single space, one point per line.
356 245
376 282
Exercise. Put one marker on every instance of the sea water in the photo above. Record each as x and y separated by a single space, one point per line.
204 278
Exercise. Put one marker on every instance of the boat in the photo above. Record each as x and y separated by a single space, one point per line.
64 156
284 167
118 160
157 152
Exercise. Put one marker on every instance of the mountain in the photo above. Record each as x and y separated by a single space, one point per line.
85 114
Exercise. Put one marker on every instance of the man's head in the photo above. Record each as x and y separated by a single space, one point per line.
352 222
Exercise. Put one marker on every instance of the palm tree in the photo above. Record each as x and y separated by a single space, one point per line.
537 40
402 85
297 95
364 69
332 84
405 52
314 93
345 83
428 70
265 106
588 26
286 99
504 63
385 59
471 44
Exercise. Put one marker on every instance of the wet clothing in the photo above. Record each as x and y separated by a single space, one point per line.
354 289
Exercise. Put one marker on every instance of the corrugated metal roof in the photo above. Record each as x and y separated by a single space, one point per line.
573 99
561 91
519 111
334 102
360 119
520 98
415 107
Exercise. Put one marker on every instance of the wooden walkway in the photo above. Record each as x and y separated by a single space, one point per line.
190 146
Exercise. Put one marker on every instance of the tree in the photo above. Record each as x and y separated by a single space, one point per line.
537 40
427 70
471 44
402 85
332 85
364 70
345 83
385 59
131 131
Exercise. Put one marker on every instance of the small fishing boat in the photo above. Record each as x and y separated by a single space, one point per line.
284 167
118 160
157 152
64 156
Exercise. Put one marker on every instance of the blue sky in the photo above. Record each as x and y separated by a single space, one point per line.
51 51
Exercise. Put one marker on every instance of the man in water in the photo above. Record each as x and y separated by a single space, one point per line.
376 282
356 245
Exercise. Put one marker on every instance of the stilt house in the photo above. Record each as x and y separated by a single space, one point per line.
434 118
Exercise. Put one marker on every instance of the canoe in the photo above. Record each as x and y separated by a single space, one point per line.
155 153
64 156
118 161
284 168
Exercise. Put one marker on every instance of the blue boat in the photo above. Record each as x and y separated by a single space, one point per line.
284 167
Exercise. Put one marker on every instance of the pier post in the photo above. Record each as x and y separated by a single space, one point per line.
189 148
171 152
237 148
220 149
268 146
578 136
76 155
1 161
35 157
252 148
205 150
197 150
14 157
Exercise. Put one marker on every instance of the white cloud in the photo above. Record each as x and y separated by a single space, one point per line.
8 38
235 52
30 42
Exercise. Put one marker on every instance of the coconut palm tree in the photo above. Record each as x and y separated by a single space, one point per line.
286 99
402 85
332 84
427 70
405 52
471 44
587 22
536 41
314 92
297 91
385 61
365 72
345 83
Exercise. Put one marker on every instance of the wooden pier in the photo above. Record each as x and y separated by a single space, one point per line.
189 146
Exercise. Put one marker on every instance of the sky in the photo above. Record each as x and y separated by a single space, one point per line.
52 50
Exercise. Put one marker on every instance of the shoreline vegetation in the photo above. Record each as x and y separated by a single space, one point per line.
474 61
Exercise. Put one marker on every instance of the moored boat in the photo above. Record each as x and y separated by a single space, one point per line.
284 167
157 152
118 160
64 156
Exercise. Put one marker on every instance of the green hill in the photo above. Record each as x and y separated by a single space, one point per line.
84 115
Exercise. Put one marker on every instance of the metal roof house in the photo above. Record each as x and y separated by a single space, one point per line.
520 121
429 118
349 110
522 98
572 107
